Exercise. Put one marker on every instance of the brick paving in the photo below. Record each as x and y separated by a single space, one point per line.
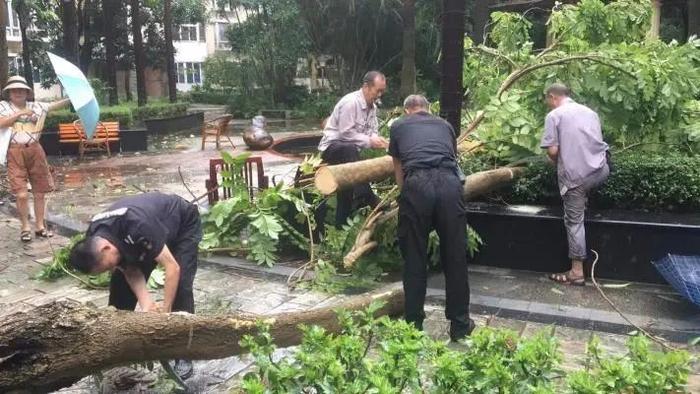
220 289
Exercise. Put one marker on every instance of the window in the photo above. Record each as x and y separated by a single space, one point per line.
190 73
222 41
187 33
12 24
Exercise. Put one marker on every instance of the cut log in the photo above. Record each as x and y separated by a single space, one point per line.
55 345
475 185
330 179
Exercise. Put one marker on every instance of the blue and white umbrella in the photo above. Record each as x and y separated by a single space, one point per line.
79 92
683 273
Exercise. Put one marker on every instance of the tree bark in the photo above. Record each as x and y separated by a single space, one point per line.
482 13
330 179
24 21
55 345
408 50
169 50
693 18
109 11
70 31
452 61
139 54
4 59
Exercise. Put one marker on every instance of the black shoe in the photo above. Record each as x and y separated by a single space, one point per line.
460 330
183 369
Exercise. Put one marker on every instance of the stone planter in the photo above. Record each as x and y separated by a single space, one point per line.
175 124
133 140
533 238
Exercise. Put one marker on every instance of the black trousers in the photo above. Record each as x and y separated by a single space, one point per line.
184 249
431 199
349 199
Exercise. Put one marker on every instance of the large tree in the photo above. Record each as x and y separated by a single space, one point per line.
109 12
408 49
452 61
4 60
693 18
139 53
69 18
480 18
23 8
169 50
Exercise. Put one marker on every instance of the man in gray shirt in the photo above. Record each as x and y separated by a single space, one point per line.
574 143
353 126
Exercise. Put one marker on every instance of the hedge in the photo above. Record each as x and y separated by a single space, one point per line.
126 115
639 181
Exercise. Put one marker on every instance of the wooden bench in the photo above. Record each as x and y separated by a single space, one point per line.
106 133
252 172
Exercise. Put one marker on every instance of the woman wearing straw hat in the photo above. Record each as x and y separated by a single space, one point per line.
21 122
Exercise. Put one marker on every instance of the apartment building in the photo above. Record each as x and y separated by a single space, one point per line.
14 53
193 44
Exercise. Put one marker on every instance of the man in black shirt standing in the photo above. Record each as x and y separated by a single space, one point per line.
425 164
134 235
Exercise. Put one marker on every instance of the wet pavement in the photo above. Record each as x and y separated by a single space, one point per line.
221 288
524 301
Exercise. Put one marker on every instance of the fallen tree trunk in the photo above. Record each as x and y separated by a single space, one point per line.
329 179
55 345
475 185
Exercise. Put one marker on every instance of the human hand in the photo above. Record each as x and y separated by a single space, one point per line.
377 142
24 113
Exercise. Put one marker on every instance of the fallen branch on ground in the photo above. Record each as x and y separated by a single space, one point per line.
55 345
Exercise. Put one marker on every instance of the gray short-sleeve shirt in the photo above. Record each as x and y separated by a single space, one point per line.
576 130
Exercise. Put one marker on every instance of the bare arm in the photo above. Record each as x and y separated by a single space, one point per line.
398 172
134 277
172 277
59 104
553 153
8 121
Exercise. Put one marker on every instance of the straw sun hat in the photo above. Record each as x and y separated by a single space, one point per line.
16 82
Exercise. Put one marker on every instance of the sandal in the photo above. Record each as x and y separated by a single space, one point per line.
25 236
43 233
565 278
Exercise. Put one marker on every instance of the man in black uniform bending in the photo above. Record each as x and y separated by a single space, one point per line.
134 235
425 164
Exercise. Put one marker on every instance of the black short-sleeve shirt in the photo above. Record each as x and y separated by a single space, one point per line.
422 140
141 225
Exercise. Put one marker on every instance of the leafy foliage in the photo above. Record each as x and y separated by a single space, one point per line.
641 370
639 180
259 227
380 355
640 87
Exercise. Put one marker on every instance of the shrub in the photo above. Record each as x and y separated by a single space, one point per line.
211 95
121 114
639 180
159 110
125 114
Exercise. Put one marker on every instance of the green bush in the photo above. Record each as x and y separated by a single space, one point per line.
121 114
159 110
639 181
211 95
380 355
125 114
